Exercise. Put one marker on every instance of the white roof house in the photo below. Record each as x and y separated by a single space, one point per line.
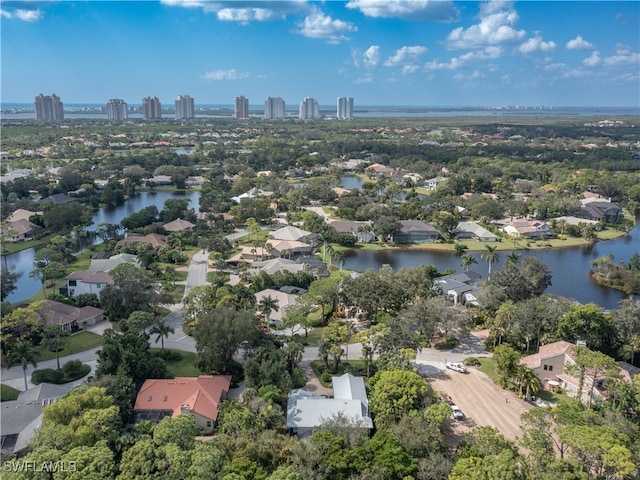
290 233
306 411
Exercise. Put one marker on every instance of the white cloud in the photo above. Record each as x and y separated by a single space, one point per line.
536 44
489 53
231 74
319 25
407 69
593 61
579 43
405 55
367 78
495 28
438 10
622 56
371 56
24 15
244 11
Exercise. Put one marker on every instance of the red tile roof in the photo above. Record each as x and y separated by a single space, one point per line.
202 394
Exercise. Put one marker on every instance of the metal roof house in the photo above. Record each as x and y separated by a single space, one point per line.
306 411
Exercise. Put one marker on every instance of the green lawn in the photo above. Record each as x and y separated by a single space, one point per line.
75 343
488 367
186 367
12 247
358 365
557 398
8 393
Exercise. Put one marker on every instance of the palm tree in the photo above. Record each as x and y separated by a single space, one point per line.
513 257
162 330
528 380
467 261
340 257
23 354
266 305
491 256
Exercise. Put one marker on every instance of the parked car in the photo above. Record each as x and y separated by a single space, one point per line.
458 367
456 412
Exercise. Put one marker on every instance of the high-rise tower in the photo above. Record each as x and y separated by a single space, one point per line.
274 108
49 108
242 107
151 108
184 107
116 110
309 109
344 108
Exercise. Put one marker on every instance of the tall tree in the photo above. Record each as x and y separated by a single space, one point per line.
219 335
55 339
22 353
468 261
132 290
8 280
162 331
268 305
491 256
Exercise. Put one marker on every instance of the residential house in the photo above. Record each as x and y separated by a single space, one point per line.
339 191
160 180
284 299
58 199
101 264
473 231
178 225
415 231
154 239
69 317
460 288
523 228
380 170
288 248
249 255
197 396
432 184
306 411
18 231
275 265
602 211
82 282
195 181
21 418
21 214
550 364
362 231
295 234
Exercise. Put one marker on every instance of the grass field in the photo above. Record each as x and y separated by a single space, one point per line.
75 343
186 367
8 393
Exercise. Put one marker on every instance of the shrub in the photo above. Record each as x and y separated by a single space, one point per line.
169 355
325 377
447 344
471 362
48 375
298 378
72 367
70 371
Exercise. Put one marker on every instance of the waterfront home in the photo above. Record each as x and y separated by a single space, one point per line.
432 184
601 210
460 288
160 181
362 231
275 265
249 255
18 231
199 397
306 411
21 214
415 231
523 228
295 234
103 262
473 231
82 282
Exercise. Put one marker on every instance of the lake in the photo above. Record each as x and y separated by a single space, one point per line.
570 266
22 262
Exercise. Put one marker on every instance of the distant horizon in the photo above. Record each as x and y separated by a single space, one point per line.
381 52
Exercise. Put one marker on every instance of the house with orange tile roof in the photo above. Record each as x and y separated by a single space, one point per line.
196 396
178 225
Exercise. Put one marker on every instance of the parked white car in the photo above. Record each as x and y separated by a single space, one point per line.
458 367
456 412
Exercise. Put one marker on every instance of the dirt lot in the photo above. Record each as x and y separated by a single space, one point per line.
481 401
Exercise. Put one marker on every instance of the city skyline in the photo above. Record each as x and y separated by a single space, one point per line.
383 52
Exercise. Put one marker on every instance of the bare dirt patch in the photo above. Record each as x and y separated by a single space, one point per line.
481 401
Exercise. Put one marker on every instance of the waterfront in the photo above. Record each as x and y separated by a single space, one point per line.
22 262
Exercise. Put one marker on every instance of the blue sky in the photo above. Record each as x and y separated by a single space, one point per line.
381 52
